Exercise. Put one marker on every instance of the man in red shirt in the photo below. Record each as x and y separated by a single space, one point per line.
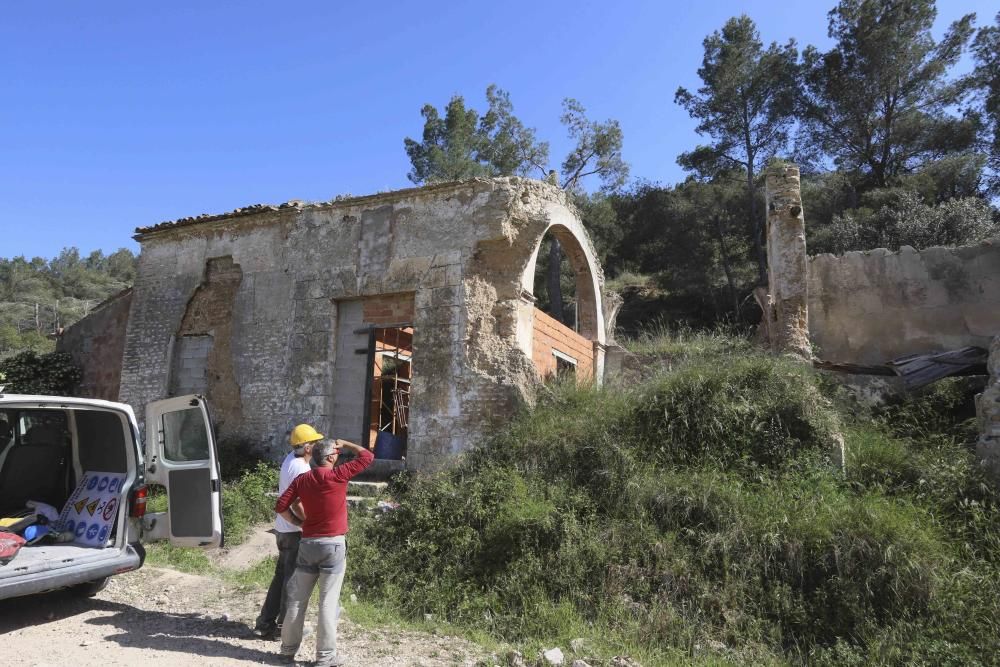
322 557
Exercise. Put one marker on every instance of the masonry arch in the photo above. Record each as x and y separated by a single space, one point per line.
587 274
577 346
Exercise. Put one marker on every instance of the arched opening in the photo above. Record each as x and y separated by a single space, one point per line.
567 339
555 283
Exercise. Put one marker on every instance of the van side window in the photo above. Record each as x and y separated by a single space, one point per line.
184 436
42 427
102 440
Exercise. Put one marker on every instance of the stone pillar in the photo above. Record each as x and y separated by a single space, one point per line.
788 324
988 412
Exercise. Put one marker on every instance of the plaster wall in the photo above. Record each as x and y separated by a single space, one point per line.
871 307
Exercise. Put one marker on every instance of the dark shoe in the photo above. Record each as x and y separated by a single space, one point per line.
334 661
285 659
267 634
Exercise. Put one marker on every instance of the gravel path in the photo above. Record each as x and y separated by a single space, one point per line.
163 617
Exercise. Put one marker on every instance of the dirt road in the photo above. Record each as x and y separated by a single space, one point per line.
163 617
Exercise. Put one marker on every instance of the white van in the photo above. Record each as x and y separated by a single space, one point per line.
47 446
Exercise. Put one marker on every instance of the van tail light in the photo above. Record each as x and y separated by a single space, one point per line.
138 504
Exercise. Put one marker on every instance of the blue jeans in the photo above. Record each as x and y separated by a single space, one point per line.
323 560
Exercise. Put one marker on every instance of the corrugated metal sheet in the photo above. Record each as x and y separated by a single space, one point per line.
920 370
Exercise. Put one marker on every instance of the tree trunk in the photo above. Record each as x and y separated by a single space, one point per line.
724 252
756 229
555 281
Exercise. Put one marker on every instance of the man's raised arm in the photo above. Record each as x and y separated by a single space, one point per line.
344 472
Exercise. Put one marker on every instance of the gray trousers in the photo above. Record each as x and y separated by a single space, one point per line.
322 559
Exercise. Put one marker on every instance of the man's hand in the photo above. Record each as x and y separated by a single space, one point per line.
342 444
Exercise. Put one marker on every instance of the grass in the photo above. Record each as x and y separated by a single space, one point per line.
193 561
662 341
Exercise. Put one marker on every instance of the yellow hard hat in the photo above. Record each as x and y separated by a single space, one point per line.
303 434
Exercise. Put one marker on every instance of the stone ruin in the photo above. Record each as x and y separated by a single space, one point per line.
404 320
860 311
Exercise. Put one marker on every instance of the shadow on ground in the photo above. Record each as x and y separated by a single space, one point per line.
185 633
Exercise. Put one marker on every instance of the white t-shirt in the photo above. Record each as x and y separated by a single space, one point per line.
291 467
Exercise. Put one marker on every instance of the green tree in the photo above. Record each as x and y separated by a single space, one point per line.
904 219
745 106
37 297
880 103
449 147
506 146
597 150
464 145
986 50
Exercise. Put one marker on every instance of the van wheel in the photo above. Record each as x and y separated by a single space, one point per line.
90 588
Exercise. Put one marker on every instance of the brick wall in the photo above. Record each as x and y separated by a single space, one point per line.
97 343
388 309
550 335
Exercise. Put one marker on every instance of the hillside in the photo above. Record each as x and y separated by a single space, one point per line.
694 513
39 296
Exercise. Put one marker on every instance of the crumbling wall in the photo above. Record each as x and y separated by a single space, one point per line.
458 252
786 314
871 307
988 413
208 323
96 343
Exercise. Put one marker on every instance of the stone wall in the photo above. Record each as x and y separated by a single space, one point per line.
871 307
460 252
96 344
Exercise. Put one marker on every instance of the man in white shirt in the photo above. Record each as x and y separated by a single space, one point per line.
287 535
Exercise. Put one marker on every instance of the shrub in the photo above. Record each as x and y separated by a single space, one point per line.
245 501
701 508
32 373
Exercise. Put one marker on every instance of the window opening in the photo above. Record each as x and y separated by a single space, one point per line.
565 365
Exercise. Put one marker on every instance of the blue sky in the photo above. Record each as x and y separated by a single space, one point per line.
122 114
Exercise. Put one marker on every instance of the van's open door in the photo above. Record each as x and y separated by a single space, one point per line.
181 456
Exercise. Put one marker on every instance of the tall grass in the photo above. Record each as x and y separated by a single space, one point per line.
696 516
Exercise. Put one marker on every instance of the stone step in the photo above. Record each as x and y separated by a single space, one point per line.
367 489
381 469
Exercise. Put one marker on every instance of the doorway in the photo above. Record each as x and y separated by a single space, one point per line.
390 371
